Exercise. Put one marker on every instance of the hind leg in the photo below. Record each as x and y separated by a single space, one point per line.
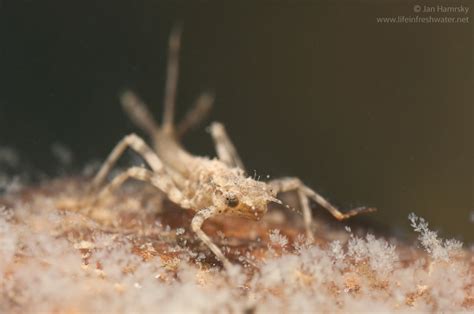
139 146
161 182
224 146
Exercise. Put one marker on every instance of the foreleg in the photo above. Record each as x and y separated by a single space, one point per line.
196 225
304 192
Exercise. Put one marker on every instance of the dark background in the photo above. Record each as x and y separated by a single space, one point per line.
366 113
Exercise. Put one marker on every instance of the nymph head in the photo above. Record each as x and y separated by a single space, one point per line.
241 196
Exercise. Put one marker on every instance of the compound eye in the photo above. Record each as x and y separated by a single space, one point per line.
232 201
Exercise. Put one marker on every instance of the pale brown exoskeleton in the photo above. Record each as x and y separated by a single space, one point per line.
210 187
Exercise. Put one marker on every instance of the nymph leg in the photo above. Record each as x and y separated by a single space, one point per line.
196 225
163 183
138 145
304 192
225 148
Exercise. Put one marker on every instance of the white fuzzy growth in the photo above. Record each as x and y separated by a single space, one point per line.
439 249
8 238
336 250
52 275
380 254
277 238
9 157
62 153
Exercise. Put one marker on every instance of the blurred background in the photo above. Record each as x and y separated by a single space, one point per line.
365 113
